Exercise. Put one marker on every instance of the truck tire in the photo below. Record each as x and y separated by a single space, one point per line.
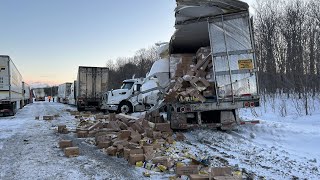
80 108
125 108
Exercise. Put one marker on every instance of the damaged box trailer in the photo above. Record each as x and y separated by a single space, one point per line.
212 65
11 96
92 82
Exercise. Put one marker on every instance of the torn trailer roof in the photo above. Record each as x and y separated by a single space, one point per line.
192 22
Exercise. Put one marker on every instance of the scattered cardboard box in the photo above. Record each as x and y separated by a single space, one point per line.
112 151
104 144
163 160
124 134
47 118
134 158
199 177
61 128
82 134
65 143
71 151
187 170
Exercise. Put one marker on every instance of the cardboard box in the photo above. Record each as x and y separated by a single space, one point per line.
145 124
126 153
132 145
72 151
124 134
187 170
227 178
135 138
73 113
149 133
199 177
122 125
103 144
102 138
112 151
82 134
133 158
163 127
65 131
163 160
97 125
156 146
65 143
113 125
148 149
157 135
221 171
137 127
149 157
61 128
117 142
170 140
112 117
47 117
180 137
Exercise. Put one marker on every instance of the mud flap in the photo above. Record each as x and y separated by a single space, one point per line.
228 120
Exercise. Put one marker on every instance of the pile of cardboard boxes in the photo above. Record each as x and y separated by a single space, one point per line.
144 144
191 77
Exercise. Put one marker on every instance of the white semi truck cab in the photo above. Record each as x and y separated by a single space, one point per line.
123 100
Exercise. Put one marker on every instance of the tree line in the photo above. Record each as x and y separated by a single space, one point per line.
288 45
127 67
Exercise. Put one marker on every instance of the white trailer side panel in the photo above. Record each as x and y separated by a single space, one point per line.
4 78
10 80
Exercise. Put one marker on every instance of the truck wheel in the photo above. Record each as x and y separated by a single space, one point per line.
125 108
80 108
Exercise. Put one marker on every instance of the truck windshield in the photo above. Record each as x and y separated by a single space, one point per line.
127 85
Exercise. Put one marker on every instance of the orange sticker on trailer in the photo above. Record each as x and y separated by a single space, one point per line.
245 64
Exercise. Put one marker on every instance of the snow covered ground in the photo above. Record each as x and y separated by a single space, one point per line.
281 147
29 149
284 146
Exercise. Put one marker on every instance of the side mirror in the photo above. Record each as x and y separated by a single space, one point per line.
135 88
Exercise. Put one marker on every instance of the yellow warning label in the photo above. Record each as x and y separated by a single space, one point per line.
245 64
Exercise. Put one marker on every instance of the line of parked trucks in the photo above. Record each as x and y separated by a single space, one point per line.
203 76
14 93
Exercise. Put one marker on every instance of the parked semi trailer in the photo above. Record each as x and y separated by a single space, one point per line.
72 96
64 91
91 83
11 96
27 96
39 94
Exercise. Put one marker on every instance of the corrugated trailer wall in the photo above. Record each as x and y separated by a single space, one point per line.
91 83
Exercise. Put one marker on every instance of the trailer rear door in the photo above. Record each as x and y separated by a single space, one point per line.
234 67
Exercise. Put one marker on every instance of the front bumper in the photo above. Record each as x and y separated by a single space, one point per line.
112 107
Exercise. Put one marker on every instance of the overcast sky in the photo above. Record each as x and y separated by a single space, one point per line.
48 40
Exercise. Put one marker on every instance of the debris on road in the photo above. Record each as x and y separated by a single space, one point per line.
48 117
65 144
72 151
144 144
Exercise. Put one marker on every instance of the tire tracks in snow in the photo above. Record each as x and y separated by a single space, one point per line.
238 150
